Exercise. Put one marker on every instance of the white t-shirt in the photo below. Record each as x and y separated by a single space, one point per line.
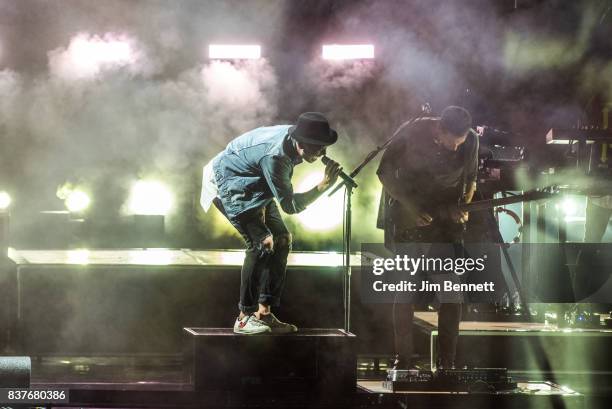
209 186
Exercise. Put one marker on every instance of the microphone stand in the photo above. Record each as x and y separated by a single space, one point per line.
346 247
346 239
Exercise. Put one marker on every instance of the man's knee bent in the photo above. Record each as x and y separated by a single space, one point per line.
283 242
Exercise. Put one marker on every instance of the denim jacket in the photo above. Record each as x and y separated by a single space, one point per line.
255 168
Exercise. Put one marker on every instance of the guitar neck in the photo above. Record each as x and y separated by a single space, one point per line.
490 203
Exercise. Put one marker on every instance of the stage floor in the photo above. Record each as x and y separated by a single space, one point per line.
95 378
133 381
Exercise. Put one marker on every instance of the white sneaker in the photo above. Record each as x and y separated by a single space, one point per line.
249 325
276 325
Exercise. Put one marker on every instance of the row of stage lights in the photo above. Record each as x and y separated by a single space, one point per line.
147 197
154 198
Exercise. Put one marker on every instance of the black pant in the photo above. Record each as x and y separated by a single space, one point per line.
449 314
263 274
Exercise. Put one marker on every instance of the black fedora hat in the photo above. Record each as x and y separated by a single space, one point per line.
313 128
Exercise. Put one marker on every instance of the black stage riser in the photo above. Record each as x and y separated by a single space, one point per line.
571 352
72 309
316 361
131 309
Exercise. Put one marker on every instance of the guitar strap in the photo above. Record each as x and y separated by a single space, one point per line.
464 172
463 189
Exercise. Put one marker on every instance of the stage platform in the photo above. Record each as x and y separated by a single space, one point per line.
524 346
107 324
136 301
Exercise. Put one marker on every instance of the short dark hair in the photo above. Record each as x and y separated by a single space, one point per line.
456 120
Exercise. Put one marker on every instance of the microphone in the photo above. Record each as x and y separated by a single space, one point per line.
347 180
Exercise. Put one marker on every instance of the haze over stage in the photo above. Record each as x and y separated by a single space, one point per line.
110 109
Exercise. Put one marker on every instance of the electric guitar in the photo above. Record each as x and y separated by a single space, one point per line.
404 224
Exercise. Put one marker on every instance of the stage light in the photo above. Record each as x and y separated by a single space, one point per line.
89 55
348 52
234 52
326 212
5 200
149 197
573 208
569 206
97 50
77 201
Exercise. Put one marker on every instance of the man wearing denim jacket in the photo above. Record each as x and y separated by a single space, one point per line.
245 181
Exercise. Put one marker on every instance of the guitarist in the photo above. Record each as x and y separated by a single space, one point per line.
428 168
